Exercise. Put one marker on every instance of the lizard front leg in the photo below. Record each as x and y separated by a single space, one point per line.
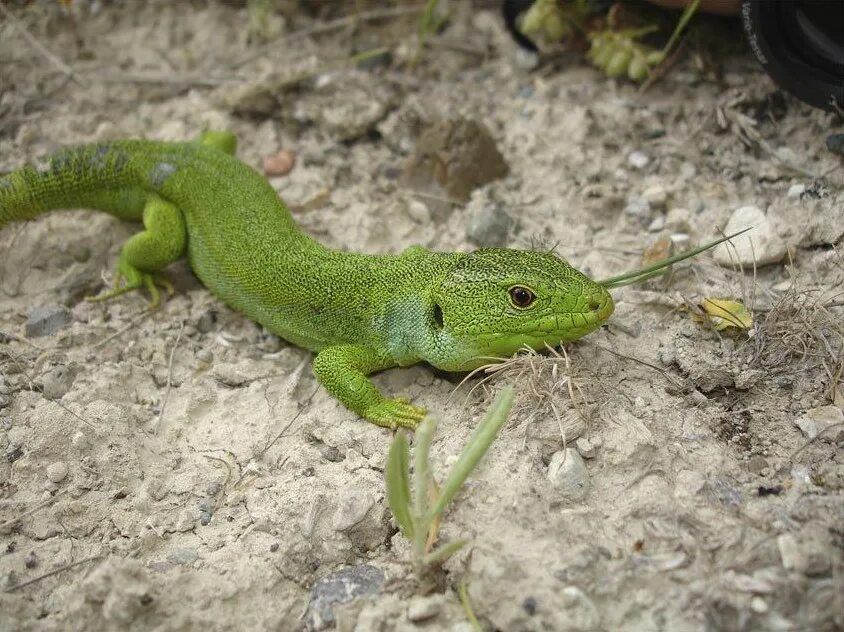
342 370
144 255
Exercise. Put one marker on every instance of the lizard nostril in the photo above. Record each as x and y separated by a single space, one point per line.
594 305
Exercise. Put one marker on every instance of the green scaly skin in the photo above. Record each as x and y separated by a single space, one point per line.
359 313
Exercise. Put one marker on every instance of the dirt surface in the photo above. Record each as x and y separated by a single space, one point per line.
182 470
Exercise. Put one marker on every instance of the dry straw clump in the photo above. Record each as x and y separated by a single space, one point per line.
547 386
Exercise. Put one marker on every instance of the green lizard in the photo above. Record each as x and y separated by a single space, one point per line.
359 313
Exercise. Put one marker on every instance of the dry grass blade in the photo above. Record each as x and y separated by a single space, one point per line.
547 385
800 327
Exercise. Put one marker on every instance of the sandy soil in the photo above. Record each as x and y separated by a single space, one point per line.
181 469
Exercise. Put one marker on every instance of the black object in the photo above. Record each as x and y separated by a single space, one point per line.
800 44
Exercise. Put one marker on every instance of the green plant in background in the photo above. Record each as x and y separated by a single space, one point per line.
618 52
418 511
615 51
551 21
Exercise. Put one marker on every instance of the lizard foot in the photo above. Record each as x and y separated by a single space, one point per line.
134 279
392 413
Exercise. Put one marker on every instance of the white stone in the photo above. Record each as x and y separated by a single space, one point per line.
657 224
586 448
796 190
423 608
638 160
817 420
567 473
656 196
57 471
760 243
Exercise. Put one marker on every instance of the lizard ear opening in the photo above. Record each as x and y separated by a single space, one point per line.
438 316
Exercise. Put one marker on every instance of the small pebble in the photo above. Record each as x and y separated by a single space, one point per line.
489 226
637 206
279 164
31 560
418 212
273 547
567 473
46 320
656 196
423 608
657 224
586 448
57 471
638 160
758 605
796 190
761 245
79 440
205 356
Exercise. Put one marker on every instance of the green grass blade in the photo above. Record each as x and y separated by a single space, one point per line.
398 483
688 12
475 448
421 482
645 273
442 553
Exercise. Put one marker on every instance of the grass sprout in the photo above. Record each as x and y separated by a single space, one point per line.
418 511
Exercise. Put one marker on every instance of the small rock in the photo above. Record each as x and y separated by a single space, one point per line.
340 587
79 440
817 420
452 158
57 471
31 560
657 224
677 219
279 164
681 241
489 225
637 206
758 605
352 508
586 448
424 608
761 243
56 382
638 160
205 356
796 190
567 473
207 322
655 196
46 320
418 212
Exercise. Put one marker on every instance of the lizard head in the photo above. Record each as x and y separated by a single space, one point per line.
494 301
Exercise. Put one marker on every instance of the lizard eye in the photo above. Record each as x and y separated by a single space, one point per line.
521 297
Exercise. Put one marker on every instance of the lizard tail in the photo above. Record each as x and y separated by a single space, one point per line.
92 176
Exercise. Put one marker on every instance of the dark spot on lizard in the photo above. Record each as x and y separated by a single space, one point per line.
99 156
160 172
120 160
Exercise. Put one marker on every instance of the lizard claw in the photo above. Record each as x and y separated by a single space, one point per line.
394 413
133 279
